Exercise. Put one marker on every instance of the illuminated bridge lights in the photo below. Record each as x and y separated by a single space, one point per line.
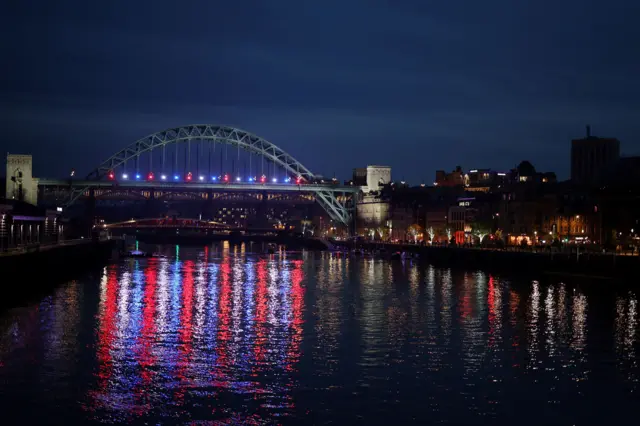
137 175
163 177
111 175
176 177
150 176
189 177
201 178
238 179
125 176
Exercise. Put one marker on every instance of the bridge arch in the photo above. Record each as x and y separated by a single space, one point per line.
324 195
209 132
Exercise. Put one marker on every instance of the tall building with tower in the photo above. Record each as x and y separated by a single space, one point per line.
20 184
591 156
372 211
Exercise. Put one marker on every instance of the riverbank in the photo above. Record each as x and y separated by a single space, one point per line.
592 265
30 273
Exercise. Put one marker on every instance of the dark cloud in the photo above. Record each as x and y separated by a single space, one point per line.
419 85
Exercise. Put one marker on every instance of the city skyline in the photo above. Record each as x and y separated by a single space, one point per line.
417 87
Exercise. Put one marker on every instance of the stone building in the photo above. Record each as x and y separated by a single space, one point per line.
20 184
372 210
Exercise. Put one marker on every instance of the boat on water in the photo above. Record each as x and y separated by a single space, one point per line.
398 255
140 253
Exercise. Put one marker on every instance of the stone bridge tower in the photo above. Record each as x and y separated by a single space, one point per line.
21 185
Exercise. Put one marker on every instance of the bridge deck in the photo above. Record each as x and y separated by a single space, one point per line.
200 185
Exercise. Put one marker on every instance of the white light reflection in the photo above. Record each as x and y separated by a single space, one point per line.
162 298
578 342
123 301
532 326
626 332
446 307
579 338
550 310
201 300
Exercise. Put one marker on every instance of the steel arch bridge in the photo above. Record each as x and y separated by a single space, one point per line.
325 194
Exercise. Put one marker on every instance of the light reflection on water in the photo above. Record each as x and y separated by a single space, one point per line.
223 334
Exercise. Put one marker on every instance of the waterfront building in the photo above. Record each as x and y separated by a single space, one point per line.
23 224
455 178
485 180
591 156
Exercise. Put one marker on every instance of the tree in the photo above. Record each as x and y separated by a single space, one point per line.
383 231
431 234
414 230
480 230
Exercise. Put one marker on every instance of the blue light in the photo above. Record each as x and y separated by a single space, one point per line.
250 179
137 176
288 179
213 178
176 177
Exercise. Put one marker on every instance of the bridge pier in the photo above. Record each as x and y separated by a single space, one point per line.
262 221
207 206
90 212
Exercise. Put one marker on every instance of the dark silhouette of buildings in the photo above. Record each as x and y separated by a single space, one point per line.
591 157
455 178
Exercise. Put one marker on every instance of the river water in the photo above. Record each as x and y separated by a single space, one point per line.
224 336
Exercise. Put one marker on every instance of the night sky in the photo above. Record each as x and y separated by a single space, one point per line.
419 85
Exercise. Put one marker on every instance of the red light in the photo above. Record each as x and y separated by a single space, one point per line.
111 175
189 176
226 178
298 180
150 176
263 179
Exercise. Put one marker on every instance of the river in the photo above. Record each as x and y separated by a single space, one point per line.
224 336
